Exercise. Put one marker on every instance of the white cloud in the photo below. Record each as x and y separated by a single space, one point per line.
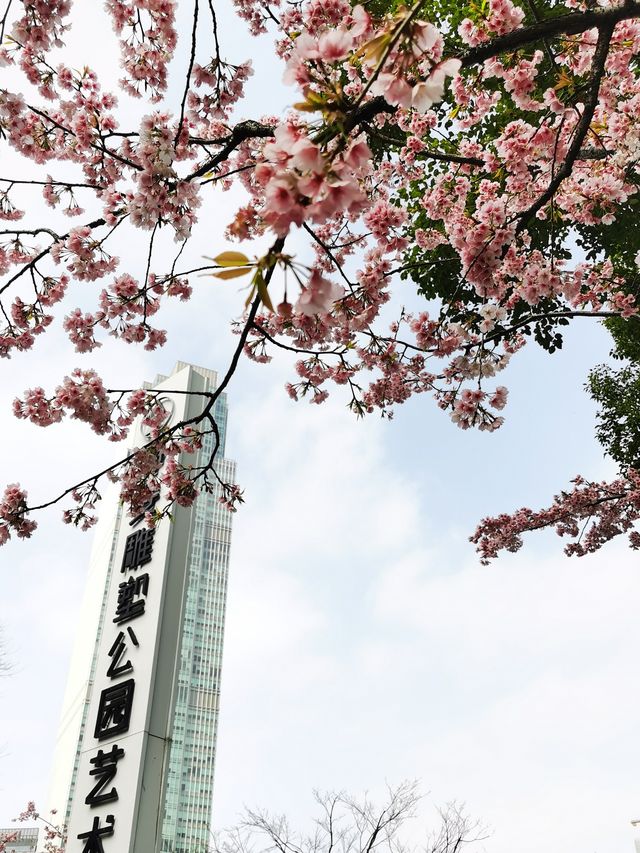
509 686
363 643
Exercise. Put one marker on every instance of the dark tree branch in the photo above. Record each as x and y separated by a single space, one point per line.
3 21
21 232
30 265
571 24
538 18
329 254
214 23
52 183
441 156
581 129
101 148
240 133
298 350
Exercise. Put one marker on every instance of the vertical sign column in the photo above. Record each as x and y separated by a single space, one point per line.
110 780
116 701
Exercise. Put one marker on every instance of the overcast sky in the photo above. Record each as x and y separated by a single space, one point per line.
364 642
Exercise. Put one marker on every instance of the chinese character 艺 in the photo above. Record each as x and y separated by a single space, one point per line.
104 769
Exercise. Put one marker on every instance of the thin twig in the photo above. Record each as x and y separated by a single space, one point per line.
192 59
95 224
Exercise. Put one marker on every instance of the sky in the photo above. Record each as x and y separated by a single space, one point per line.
364 644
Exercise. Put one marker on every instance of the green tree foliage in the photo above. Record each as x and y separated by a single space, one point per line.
617 392
437 272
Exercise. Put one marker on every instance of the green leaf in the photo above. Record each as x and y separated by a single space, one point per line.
263 290
249 298
231 259
235 273
373 49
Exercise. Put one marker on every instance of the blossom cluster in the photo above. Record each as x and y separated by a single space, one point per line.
82 394
401 156
592 513
125 309
223 86
401 61
497 18
13 514
52 836
148 45
35 33
300 183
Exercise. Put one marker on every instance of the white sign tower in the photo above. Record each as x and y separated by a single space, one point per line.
123 746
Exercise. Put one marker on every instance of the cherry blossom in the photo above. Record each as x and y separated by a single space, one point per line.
52 835
591 514
319 296
466 158
13 514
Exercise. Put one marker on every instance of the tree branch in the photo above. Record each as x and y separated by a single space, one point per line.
95 224
581 129
571 24
192 59
240 133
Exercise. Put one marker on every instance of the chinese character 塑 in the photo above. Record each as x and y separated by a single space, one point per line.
114 710
95 835
117 652
104 770
138 549
130 606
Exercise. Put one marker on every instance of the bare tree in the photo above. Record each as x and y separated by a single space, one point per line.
5 666
456 830
347 824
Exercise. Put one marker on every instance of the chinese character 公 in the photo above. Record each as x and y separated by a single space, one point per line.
117 652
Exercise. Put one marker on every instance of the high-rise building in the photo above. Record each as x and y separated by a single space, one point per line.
165 750
20 840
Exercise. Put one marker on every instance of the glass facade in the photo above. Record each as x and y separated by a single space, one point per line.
22 840
189 789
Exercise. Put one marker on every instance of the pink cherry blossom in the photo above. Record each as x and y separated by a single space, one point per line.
13 510
399 156
319 296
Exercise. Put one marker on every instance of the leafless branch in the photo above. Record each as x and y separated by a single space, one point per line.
348 824
192 59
